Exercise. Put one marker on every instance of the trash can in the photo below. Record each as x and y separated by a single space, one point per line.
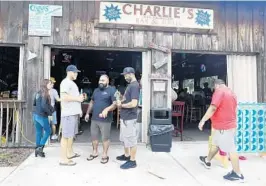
160 130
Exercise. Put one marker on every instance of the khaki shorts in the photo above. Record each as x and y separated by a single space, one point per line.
224 139
69 126
129 132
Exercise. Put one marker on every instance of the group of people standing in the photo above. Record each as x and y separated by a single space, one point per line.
103 102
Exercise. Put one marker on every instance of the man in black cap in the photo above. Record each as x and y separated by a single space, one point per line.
128 124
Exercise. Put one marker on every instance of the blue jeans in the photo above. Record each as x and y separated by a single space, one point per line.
43 130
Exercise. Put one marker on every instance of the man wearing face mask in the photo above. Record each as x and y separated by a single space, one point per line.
128 114
101 105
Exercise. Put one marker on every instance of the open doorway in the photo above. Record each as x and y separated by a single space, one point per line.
9 91
193 78
94 63
9 72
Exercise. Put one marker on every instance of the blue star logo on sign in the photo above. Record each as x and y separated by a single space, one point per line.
203 18
112 13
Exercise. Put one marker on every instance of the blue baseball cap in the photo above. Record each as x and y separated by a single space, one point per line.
128 70
72 68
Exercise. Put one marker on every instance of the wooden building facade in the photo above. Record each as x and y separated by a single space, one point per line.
239 29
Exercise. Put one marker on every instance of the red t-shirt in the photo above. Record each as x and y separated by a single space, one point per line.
225 101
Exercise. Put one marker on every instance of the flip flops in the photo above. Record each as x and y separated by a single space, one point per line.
104 160
74 156
70 163
92 157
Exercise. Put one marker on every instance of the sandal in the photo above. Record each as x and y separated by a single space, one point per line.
75 156
105 160
70 163
92 157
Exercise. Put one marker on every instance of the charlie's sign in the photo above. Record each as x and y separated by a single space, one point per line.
153 15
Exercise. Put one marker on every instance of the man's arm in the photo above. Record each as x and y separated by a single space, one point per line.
113 99
132 104
57 96
111 107
209 113
64 90
68 98
134 92
89 110
216 101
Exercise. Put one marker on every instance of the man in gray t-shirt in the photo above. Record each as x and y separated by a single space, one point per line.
70 112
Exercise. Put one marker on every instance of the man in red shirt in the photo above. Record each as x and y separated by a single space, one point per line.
222 113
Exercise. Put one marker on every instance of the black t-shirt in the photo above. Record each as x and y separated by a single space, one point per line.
132 92
102 99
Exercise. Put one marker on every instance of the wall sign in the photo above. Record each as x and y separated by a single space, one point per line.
40 17
154 15
160 48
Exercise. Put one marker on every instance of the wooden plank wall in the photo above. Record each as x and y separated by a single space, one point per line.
239 27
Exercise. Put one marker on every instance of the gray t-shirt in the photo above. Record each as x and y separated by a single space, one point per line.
71 108
54 96
132 92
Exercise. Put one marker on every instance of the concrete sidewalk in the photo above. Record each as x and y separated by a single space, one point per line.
180 167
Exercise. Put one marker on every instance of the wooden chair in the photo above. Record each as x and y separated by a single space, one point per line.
178 108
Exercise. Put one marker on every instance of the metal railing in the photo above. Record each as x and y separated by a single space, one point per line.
11 117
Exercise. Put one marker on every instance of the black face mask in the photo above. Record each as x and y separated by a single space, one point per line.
102 86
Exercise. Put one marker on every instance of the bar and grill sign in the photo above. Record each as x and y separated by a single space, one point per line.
154 15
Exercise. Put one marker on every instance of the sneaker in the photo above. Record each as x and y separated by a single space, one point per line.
206 164
232 176
54 137
129 165
123 158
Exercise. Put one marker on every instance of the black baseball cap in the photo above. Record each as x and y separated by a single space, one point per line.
128 70
72 68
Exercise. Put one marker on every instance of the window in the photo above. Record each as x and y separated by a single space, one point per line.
209 80
189 84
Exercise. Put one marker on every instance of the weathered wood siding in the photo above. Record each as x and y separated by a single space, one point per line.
238 27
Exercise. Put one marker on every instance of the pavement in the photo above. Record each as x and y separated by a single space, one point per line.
180 167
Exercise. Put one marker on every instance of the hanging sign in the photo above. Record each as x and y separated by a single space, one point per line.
40 17
155 15
160 48
160 63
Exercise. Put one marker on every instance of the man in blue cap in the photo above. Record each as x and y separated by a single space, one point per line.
70 112
128 124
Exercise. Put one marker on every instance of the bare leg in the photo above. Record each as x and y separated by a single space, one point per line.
70 152
53 129
126 152
212 152
133 151
95 147
235 162
105 147
64 143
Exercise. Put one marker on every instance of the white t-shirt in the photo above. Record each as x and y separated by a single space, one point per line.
71 108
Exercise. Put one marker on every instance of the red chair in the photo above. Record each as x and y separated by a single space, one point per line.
178 111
